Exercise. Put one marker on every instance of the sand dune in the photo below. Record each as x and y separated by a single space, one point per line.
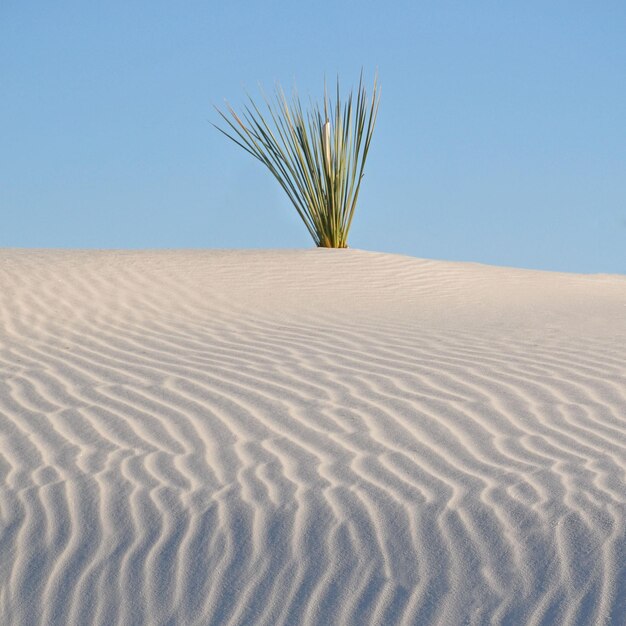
309 437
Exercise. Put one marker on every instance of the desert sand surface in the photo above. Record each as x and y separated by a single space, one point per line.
321 437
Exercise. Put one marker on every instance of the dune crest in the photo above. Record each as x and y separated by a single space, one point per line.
309 437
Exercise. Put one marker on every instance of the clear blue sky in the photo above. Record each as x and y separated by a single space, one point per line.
501 135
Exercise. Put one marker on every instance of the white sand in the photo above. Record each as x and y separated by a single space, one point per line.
309 437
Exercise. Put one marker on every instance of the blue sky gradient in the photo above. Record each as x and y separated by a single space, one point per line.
501 135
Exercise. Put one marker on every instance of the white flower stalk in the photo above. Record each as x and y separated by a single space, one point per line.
326 145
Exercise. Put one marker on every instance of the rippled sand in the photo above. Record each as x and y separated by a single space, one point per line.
309 437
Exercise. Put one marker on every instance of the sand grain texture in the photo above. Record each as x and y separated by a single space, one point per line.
309 437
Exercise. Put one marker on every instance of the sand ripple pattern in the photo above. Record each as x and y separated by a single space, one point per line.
309 437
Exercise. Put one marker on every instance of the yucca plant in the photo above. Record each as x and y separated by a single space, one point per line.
318 157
